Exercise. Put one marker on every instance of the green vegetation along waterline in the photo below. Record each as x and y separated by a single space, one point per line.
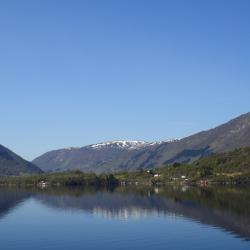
76 178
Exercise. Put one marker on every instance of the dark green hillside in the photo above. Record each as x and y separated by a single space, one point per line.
12 164
232 167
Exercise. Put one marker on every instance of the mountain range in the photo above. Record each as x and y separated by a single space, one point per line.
134 155
121 155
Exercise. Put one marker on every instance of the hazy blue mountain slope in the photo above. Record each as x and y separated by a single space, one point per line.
12 164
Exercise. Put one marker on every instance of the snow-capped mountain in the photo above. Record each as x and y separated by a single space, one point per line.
128 145
100 157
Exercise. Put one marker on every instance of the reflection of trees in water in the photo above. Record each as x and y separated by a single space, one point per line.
227 208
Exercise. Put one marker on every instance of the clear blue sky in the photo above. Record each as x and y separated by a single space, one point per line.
79 72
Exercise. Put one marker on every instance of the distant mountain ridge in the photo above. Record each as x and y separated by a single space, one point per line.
100 157
12 164
134 155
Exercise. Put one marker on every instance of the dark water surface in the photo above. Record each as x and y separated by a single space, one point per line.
125 218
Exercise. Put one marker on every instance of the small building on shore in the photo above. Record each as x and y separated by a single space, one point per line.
43 184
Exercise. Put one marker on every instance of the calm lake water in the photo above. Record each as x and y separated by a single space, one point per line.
125 218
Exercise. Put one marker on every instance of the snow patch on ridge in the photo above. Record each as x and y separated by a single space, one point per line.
129 145
123 144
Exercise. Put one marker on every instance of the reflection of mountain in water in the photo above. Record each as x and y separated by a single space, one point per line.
9 199
219 209
130 205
